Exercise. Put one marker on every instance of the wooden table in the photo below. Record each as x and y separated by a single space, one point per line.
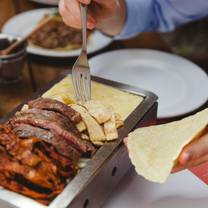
47 69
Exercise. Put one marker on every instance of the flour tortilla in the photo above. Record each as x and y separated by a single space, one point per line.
110 129
95 131
154 150
98 111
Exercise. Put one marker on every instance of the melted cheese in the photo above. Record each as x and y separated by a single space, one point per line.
122 102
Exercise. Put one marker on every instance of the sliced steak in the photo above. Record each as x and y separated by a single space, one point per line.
31 151
55 126
56 34
26 130
52 116
32 167
61 145
65 170
43 173
54 105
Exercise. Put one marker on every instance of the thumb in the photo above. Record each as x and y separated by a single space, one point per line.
195 150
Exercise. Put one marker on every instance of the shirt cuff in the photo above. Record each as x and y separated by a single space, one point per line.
139 14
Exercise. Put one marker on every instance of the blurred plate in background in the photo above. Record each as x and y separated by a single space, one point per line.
23 23
180 84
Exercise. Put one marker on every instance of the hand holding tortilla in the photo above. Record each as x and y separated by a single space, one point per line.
194 154
155 150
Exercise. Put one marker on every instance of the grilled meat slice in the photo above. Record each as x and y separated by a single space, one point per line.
52 116
17 149
56 34
66 168
55 126
32 167
33 151
26 130
36 176
42 175
57 106
38 172
12 184
61 145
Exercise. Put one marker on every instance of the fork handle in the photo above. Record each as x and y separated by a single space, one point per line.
83 9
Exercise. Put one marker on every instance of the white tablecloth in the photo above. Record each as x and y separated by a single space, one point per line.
182 190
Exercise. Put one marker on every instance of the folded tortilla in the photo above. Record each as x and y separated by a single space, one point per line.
154 150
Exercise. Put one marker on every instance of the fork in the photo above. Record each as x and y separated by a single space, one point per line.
80 71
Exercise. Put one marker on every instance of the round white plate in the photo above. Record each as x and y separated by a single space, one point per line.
23 23
48 2
180 84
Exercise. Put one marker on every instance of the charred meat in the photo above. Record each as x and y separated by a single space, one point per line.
32 167
55 34
40 148
61 145
54 105
56 124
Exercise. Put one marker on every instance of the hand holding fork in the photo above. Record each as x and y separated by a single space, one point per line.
81 72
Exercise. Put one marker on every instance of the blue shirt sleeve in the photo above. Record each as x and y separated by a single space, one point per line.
160 15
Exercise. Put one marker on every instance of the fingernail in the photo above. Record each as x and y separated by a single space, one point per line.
187 157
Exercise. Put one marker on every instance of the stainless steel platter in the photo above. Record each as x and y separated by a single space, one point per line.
92 185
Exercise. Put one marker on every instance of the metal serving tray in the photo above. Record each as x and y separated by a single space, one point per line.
92 185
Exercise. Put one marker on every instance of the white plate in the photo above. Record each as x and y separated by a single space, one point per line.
180 84
23 23
49 2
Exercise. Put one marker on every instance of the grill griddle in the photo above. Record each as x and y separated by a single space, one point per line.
92 185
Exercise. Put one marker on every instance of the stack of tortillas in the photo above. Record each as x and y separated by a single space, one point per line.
154 150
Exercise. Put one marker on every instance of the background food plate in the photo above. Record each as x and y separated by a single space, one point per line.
23 23
180 84
49 2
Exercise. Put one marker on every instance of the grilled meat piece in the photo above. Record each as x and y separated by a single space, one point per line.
43 119
40 180
12 184
32 167
43 175
55 34
26 130
25 151
57 106
66 167
63 121
32 151
61 145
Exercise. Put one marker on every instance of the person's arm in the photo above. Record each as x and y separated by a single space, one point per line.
125 19
160 15
107 16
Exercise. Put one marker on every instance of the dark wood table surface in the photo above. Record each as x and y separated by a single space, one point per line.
47 69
